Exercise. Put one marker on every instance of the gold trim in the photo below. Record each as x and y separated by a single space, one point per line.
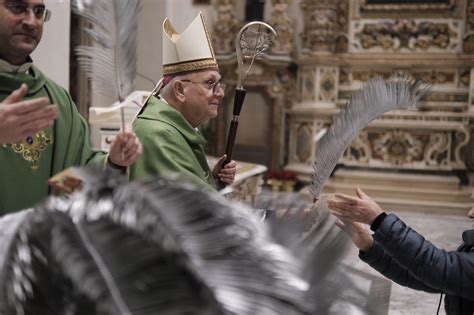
190 66
405 6
169 29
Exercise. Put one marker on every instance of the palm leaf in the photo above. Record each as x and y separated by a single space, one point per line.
222 245
376 97
123 273
110 63
31 281
321 246
53 266
161 247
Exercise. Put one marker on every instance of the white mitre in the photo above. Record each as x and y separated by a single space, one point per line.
188 51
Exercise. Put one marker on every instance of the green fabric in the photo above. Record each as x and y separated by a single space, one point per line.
171 146
20 186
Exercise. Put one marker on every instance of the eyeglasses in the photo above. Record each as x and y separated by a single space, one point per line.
21 8
211 85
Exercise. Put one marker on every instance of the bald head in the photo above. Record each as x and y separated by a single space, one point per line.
196 95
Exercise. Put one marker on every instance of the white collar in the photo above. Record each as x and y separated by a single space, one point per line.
5 66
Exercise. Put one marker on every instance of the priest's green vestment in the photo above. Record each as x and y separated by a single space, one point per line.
26 166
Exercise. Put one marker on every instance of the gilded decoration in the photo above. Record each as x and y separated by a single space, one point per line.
411 148
428 77
327 85
470 15
468 44
342 16
436 152
397 147
417 36
287 81
461 139
396 9
308 85
447 98
320 25
342 40
279 79
360 149
284 85
368 5
303 142
344 76
32 147
348 76
464 77
226 27
284 26
364 76
260 72
435 77
374 39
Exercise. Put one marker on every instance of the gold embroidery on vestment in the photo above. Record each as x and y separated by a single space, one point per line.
31 152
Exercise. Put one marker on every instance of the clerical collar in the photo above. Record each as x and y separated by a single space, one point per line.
6 67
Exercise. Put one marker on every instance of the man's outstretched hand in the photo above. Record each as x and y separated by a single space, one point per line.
20 119
359 234
359 209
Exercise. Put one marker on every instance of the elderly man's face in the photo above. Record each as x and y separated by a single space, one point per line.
201 102
20 32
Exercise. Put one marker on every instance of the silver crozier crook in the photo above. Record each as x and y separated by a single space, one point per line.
252 41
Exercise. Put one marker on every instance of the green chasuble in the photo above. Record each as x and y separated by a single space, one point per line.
171 146
25 167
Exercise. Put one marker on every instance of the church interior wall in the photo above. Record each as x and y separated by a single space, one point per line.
312 71
55 62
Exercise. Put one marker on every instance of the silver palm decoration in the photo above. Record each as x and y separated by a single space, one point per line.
158 247
111 61
377 97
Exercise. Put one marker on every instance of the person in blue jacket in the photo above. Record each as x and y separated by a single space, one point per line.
404 256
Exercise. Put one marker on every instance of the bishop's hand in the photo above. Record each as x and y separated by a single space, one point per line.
226 173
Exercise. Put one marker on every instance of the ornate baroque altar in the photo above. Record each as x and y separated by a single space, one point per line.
326 49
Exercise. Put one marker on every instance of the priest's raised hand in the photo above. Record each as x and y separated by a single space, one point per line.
21 118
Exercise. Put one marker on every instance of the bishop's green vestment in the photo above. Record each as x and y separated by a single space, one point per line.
171 146
25 167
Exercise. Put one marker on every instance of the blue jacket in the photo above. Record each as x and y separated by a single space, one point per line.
404 256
